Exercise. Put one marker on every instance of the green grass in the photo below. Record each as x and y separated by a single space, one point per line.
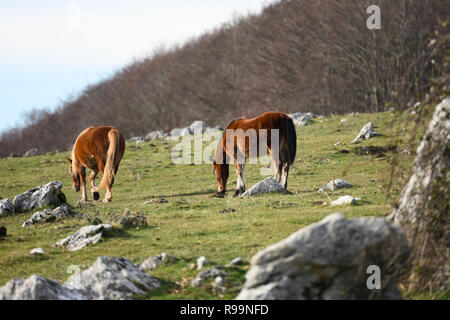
190 224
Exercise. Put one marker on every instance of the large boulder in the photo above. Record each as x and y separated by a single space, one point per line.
6 207
329 260
47 215
424 205
87 235
112 278
49 194
265 186
37 288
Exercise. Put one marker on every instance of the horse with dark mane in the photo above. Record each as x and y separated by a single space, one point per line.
248 138
99 149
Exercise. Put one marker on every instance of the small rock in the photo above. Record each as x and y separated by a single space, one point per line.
138 140
156 200
207 274
82 238
129 220
237 261
345 200
219 281
37 252
337 143
155 261
180 132
197 127
61 212
334 185
265 186
155 135
151 263
6 207
366 133
201 262
32 152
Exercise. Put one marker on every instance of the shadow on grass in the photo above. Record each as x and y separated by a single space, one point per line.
210 191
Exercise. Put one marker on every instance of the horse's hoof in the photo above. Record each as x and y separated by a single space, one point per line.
236 193
106 200
218 195
96 196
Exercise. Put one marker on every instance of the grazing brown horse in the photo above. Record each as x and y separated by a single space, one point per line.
99 149
275 129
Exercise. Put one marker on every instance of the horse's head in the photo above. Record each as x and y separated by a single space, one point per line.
221 171
75 176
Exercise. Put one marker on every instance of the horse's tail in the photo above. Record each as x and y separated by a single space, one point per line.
291 138
113 150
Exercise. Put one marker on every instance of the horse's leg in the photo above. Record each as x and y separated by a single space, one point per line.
285 174
83 184
276 166
108 195
240 184
94 190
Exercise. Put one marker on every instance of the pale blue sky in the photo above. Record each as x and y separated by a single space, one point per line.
52 49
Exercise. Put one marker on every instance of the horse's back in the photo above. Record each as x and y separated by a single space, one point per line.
267 120
93 142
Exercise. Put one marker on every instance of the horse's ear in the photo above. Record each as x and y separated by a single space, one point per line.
213 161
70 160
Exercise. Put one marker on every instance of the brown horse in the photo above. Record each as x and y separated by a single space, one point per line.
99 149
243 139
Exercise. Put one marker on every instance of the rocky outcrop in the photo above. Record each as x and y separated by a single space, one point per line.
6 207
59 213
424 205
87 235
112 278
329 260
265 186
49 194
38 288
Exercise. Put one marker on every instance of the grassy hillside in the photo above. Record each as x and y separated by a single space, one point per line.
191 224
